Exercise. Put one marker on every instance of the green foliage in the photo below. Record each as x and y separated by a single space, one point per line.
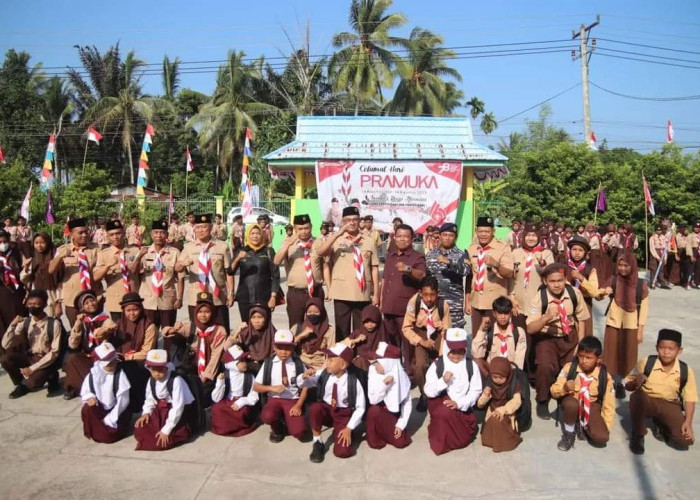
85 195
200 184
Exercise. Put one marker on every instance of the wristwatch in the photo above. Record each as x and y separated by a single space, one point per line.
408 269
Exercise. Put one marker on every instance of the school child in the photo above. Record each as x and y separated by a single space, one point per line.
255 337
664 390
168 411
366 339
314 335
556 322
453 385
135 334
504 339
235 408
389 394
32 348
105 396
424 326
12 292
586 398
598 256
282 400
502 399
340 402
582 275
659 255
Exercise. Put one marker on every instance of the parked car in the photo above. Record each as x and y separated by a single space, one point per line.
252 218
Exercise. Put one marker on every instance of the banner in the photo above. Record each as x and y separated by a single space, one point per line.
421 193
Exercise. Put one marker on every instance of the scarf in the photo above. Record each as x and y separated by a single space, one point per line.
83 269
205 275
397 392
499 393
132 333
9 276
204 338
255 248
258 343
563 317
306 249
312 343
158 272
124 269
358 262
480 277
625 293
41 278
578 266
367 349
90 324
584 399
529 261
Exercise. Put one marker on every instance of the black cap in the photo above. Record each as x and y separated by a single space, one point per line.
75 223
696 224
114 224
579 240
530 228
263 217
369 218
351 211
131 298
202 219
448 227
658 227
80 298
288 226
667 334
159 225
302 219
484 222
205 298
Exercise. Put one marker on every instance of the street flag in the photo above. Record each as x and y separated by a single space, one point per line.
247 205
171 203
602 205
94 136
24 209
669 131
142 179
592 141
190 164
246 161
647 197
2 156
49 208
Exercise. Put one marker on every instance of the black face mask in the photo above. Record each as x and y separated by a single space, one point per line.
314 319
35 311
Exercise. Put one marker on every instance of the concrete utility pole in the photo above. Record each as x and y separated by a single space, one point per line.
585 53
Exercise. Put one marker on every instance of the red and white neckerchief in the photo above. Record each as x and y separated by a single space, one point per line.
629 241
137 236
206 278
158 271
83 270
9 278
579 267
429 321
23 233
529 259
202 348
306 248
584 399
503 351
563 317
125 271
358 263
480 277
90 326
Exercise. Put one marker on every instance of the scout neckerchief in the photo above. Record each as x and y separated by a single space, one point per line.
124 270
358 263
529 259
429 322
158 268
8 276
137 235
306 248
563 317
206 278
480 268
579 267
202 348
90 326
584 399
503 337
83 269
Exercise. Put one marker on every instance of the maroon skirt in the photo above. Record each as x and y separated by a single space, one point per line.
146 435
381 424
226 422
449 429
94 428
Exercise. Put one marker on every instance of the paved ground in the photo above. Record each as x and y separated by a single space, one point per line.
45 454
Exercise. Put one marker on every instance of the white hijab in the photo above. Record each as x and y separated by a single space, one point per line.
459 385
394 394
103 381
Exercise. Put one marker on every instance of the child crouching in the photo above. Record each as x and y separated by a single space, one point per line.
502 400
234 412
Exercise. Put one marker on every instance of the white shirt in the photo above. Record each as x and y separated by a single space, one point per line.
103 382
342 402
180 397
460 389
291 391
236 382
396 396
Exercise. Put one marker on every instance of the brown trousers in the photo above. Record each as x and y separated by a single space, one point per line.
476 317
653 266
296 300
668 414
422 359
13 360
348 316
588 328
71 313
620 350
596 430
551 354
393 326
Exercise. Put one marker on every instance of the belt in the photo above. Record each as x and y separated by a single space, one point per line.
304 289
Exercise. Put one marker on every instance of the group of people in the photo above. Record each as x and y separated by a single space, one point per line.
127 355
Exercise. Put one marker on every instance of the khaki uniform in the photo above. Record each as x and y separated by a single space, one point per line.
134 235
218 337
37 341
101 333
187 232
220 260
297 291
344 284
71 278
316 360
519 293
174 232
219 231
113 279
165 302
516 353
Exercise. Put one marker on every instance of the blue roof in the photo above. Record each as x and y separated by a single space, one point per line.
385 138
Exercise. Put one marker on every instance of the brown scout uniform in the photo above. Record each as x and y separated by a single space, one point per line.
32 349
134 235
71 279
113 279
160 310
520 294
219 231
692 249
620 348
216 346
297 286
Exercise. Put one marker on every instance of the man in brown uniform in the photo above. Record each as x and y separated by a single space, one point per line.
219 231
155 267
175 232
304 268
692 248
492 269
113 266
188 233
135 232
354 268
77 260
206 261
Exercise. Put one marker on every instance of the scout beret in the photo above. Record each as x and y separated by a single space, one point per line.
351 211
157 357
131 298
697 224
668 334
80 298
159 225
369 217
76 223
341 351
448 227
484 222
579 240
302 219
114 224
202 219
205 298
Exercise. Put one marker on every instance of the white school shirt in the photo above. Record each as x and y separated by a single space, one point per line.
236 381
180 397
461 389
291 391
103 381
395 396
342 402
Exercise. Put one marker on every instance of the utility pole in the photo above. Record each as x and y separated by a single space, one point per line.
584 54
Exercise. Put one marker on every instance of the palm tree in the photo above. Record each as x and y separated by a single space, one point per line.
488 123
477 107
171 77
364 64
421 90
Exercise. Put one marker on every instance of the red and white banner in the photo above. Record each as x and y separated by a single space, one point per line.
421 193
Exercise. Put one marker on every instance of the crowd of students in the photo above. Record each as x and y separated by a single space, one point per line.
529 301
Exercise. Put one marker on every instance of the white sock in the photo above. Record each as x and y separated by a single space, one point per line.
318 439
569 427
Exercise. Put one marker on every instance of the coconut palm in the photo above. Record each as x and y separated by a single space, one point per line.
477 107
422 90
488 123
171 77
364 63
515 144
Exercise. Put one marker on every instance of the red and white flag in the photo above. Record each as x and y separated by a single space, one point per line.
592 141
669 131
94 136
2 156
647 197
24 209
190 163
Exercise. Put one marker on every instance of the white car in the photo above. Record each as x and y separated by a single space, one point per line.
252 218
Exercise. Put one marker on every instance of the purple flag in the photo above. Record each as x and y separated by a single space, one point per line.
602 202
49 208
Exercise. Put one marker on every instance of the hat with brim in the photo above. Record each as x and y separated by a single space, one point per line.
157 358
580 241
234 354
80 298
284 337
131 298
104 352
456 338
342 351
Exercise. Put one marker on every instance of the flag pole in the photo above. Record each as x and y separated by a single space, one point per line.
85 155
597 200
646 226
170 213
187 174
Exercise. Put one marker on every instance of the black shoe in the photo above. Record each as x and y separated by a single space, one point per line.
53 387
422 405
567 441
620 392
637 445
68 395
580 433
666 286
18 392
543 411
276 438
318 452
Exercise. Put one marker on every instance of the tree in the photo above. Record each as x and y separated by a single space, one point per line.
364 63
171 77
85 195
488 123
421 90
477 107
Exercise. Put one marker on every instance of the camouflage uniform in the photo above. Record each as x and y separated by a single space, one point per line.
451 279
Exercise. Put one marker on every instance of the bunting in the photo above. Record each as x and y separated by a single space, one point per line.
142 179
246 160
46 171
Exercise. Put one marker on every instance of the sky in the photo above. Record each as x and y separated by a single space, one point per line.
206 30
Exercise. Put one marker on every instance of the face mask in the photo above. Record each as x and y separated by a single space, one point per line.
35 311
4 247
314 319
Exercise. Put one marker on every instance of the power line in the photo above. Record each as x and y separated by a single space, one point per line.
650 46
650 61
661 99
539 103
